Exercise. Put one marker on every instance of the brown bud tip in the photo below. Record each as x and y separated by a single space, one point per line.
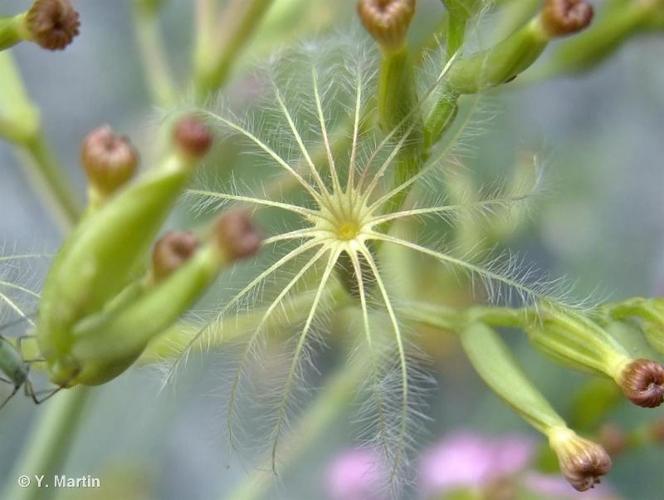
642 381
53 24
613 439
387 20
564 17
237 235
109 159
171 252
582 462
193 136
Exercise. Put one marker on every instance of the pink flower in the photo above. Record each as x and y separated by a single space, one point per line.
357 474
469 460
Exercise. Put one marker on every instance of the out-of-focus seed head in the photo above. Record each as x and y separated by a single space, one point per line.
565 17
582 462
172 251
642 381
53 24
237 235
387 20
657 431
109 159
192 136
613 438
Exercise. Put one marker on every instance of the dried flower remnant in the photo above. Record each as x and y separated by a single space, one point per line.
193 136
582 462
53 24
387 20
642 381
171 252
109 160
566 17
238 236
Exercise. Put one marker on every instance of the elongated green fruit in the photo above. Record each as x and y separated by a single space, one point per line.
110 246
103 351
582 462
495 364
580 343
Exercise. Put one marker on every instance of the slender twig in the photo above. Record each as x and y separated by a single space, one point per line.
49 445
50 178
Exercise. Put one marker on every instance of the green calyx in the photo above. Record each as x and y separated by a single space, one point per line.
501 63
650 313
459 14
13 30
108 344
98 272
620 20
578 342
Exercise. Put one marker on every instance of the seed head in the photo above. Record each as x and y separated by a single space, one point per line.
237 235
642 381
171 252
565 17
582 462
387 20
192 136
109 159
53 24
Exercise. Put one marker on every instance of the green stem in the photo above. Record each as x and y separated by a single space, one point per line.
49 178
332 400
214 62
12 31
50 442
155 65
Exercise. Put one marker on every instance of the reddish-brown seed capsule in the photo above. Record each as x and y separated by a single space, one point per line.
237 235
109 159
564 17
171 252
53 24
193 136
387 20
642 381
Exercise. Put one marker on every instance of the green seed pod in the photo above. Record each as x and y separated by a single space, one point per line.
619 21
459 13
650 312
103 254
495 364
578 342
501 63
105 346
